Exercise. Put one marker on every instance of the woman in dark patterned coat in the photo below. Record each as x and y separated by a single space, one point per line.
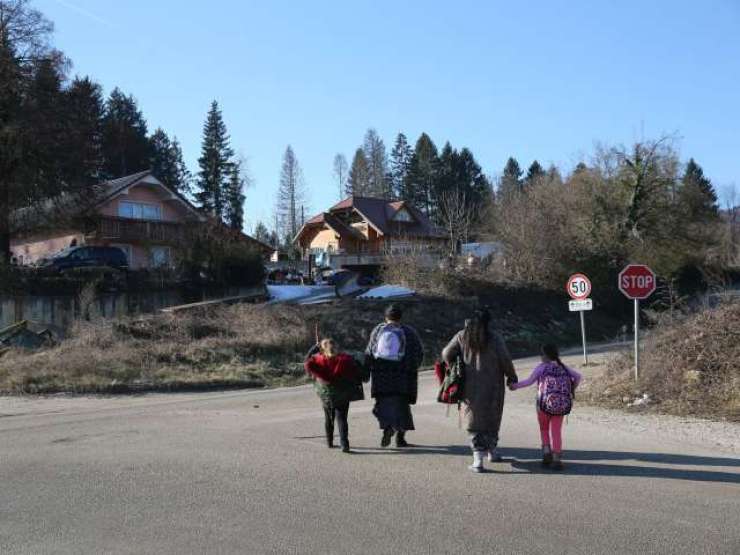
394 355
487 365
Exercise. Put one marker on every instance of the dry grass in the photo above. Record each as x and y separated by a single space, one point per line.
690 366
241 345
263 345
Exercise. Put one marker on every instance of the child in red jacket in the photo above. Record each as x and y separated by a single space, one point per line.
337 380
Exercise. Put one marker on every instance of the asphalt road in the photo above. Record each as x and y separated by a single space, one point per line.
248 472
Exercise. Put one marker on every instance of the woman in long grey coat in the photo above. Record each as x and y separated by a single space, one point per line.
488 366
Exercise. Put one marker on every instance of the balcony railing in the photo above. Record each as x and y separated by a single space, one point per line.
125 229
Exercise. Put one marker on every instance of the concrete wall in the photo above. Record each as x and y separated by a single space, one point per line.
61 311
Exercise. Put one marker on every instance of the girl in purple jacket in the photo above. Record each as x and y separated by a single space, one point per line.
554 379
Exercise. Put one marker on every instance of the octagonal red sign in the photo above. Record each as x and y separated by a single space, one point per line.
637 281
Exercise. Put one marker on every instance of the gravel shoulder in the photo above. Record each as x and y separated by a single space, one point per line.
697 432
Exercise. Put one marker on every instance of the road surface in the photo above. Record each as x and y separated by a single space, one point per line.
248 472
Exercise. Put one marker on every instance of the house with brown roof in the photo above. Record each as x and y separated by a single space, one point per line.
364 232
137 213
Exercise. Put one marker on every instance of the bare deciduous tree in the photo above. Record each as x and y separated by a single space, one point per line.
341 169
731 250
458 216
291 195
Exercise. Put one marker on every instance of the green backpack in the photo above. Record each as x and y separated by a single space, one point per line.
452 378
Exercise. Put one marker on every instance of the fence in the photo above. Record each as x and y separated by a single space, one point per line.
59 312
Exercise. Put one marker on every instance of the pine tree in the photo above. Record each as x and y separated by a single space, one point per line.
167 162
214 163
377 164
261 233
45 116
33 139
234 196
459 175
422 175
340 173
534 174
472 180
161 162
291 196
125 142
358 182
697 198
400 163
511 182
581 167
447 179
84 109
182 175
10 139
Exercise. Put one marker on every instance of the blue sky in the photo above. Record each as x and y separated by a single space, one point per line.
537 80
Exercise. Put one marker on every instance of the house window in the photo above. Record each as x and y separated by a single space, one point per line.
139 210
160 257
403 216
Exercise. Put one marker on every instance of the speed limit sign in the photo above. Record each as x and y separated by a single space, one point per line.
579 287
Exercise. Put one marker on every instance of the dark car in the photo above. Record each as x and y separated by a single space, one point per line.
87 257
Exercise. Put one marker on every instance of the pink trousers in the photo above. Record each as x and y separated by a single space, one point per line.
551 428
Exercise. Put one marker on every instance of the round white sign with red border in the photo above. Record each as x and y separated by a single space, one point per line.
578 287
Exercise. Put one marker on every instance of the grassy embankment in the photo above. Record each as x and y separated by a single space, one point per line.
690 366
259 346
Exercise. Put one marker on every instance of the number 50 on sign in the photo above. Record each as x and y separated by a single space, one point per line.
579 287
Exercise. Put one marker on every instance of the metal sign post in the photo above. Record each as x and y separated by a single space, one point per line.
637 339
636 282
579 288
583 337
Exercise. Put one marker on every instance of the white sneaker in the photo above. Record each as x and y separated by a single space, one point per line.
477 465
493 456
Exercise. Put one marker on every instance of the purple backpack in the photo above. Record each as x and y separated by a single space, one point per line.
556 390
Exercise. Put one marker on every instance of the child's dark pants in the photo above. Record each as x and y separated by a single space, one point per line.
339 413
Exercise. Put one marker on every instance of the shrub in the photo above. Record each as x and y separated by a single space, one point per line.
689 365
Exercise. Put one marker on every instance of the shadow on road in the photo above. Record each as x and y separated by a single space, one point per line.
528 461
659 458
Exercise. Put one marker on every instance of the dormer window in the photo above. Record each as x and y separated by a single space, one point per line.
403 216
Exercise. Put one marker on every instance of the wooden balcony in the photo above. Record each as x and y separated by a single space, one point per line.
133 231
427 259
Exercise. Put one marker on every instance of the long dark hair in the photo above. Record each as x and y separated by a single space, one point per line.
476 334
550 351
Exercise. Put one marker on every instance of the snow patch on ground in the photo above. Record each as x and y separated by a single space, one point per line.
387 292
287 293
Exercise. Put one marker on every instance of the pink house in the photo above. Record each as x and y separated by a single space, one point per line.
136 213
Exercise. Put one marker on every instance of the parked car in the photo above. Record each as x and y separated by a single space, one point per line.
86 257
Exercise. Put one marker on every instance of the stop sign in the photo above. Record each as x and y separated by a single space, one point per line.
637 281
